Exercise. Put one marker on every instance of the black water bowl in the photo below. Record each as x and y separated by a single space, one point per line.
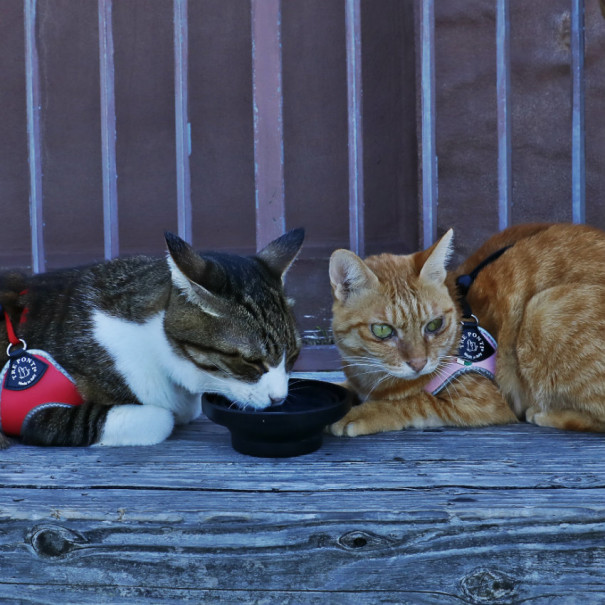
291 429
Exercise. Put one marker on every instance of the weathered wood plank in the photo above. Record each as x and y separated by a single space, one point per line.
175 506
200 457
448 543
116 596
494 515
14 594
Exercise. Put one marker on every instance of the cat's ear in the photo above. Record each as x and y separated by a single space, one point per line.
200 280
281 252
349 275
434 267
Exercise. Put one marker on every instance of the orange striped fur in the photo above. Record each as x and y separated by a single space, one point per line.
543 300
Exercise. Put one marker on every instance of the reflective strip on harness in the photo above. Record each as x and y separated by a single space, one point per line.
477 355
31 380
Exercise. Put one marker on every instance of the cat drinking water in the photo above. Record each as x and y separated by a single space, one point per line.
131 344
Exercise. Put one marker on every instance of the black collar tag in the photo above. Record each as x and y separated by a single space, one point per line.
24 371
474 346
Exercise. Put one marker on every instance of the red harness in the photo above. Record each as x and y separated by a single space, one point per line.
30 381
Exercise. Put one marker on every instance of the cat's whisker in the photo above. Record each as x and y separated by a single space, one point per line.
367 368
359 359
450 386
219 378
379 383
372 369
457 386
293 388
373 365
355 362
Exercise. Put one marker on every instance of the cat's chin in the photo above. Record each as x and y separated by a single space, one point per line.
243 405
406 373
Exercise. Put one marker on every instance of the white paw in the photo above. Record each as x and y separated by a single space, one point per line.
136 425
346 429
353 429
531 414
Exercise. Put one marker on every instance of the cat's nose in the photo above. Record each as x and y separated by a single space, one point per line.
417 364
276 400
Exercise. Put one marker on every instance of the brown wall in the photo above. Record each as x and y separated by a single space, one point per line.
221 116
541 115
315 126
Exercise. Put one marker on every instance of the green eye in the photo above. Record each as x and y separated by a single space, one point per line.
434 325
382 331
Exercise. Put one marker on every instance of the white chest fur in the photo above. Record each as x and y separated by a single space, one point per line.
149 365
159 376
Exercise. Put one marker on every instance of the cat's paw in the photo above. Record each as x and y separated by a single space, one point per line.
352 425
532 415
136 425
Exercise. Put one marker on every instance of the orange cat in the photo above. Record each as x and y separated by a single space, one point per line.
397 324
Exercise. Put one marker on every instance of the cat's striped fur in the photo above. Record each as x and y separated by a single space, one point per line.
543 300
143 338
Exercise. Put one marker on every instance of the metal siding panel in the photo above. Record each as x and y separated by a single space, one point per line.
268 120
145 118
183 176
355 122
504 113
578 169
222 130
33 135
320 357
108 131
429 157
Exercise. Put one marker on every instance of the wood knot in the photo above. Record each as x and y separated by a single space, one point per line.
362 540
53 541
488 586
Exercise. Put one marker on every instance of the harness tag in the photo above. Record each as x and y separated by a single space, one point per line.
476 354
30 382
24 371
475 343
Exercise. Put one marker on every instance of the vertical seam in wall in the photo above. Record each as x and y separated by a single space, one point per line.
108 131
578 165
504 113
355 127
268 120
182 126
33 103
429 157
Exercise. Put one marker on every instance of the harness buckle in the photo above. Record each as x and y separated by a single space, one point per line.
18 351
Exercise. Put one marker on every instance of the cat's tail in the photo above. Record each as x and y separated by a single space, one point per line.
60 424
96 424
12 285
4 441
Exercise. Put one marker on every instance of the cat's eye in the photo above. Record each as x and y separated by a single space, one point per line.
258 364
382 331
434 325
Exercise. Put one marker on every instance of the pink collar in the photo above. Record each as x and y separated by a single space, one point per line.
477 354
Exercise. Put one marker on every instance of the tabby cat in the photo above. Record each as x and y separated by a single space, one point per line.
157 332
397 322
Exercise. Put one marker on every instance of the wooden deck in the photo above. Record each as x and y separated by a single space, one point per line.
498 515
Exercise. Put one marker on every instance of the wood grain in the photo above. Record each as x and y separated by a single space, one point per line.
495 515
